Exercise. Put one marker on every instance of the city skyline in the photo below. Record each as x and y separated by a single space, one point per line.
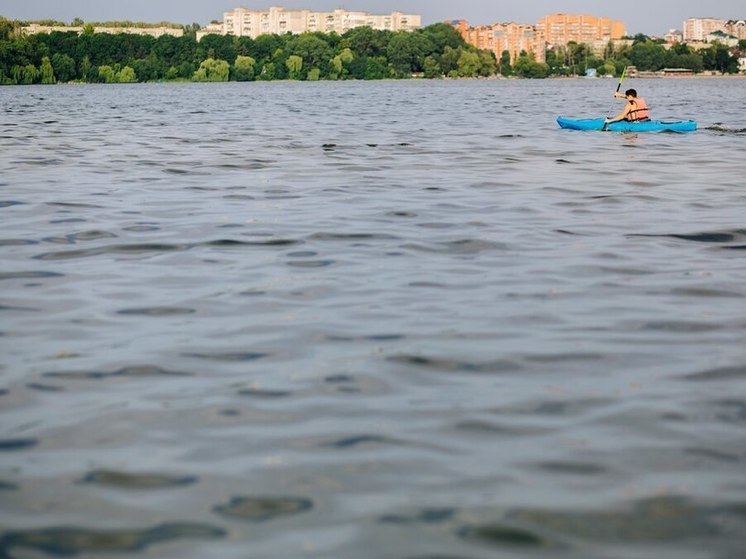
636 14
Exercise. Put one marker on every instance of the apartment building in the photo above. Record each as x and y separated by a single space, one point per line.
559 29
552 30
697 28
500 37
156 32
736 28
518 37
243 22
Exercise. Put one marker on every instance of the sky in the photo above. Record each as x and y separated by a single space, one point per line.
651 17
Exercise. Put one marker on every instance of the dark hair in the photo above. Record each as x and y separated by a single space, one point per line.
631 92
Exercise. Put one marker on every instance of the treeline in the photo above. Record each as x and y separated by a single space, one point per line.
361 53
646 54
77 22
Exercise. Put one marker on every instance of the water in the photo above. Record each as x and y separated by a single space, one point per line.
392 319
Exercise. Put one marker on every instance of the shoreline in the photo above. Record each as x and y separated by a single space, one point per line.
650 77
416 78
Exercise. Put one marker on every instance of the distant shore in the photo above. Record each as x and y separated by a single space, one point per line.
648 76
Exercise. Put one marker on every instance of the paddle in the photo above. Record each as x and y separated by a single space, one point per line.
618 87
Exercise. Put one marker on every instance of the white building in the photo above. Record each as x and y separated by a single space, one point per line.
243 22
34 28
697 28
673 36
722 38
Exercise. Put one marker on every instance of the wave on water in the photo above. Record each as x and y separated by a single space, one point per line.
725 129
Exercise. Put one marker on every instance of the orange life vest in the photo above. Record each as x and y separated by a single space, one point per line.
640 111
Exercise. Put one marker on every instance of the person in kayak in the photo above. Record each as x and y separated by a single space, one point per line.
636 109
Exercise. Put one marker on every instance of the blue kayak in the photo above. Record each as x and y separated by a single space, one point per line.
623 126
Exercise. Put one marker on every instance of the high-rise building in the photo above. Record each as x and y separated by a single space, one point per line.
501 37
560 29
697 28
552 30
243 22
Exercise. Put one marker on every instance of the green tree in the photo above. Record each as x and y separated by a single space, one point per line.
172 73
244 69
279 59
243 46
406 52
149 68
265 47
554 58
107 74
313 75
468 64
682 56
526 67
25 75
191 30
46 71
64 67
294 65
212 70
377 68
725 62
648 56
314 52
442 35
85 68
218 47
606 69
506 69
449 59
365 41
488 65
340 64
9 29
186 70
126 75
268 72
432 68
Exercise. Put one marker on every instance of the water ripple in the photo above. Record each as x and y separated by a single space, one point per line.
454 365
140 248
135 371
65 541
157 311
29 275
128 480
263 509
238 356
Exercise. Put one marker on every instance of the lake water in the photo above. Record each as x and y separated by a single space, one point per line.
371 320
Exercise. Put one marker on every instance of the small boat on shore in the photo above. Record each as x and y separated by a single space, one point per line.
624 126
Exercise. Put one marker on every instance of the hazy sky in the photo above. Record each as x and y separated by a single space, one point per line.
652 17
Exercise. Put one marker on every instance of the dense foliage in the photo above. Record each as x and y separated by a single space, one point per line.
646 54
362 53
